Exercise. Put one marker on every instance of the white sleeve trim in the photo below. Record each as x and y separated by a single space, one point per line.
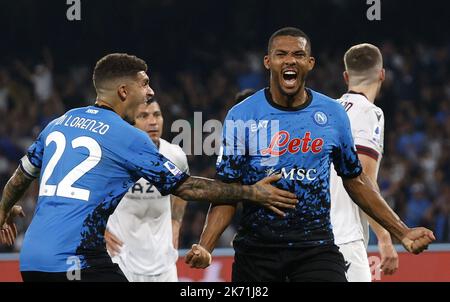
28 167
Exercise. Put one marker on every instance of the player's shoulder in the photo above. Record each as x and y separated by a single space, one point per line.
317 96
361 104
320 99
327 104
51 125
378 111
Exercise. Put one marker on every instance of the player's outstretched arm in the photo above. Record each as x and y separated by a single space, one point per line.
13 191
366 195
218 219
262 192
389 256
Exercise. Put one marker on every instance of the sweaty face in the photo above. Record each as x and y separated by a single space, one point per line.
150 120
139 92
289 62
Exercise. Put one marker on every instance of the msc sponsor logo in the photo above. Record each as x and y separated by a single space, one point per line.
295 174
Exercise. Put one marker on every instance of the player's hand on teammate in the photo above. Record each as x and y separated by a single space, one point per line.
113 244
417 240
8 229
389 258
198 257
273 198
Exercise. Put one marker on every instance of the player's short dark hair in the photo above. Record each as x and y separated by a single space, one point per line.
243 94
289 31
117 65
362 57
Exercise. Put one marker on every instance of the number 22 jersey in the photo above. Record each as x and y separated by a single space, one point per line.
86 160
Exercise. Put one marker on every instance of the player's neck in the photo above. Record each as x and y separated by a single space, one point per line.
288 101
102 103
370 91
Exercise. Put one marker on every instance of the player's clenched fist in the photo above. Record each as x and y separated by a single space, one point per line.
8 229
198 257
417 240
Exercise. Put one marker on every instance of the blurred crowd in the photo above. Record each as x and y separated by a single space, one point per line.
415 172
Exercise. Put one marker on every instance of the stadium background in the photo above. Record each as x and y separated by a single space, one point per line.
201 53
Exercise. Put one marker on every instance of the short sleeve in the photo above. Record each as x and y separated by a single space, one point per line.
31 163
145 161
231 157
345 158
368 132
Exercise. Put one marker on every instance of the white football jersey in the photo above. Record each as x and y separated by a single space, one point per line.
143 222
367 123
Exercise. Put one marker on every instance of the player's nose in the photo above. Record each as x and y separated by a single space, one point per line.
151 120
289 60
150 93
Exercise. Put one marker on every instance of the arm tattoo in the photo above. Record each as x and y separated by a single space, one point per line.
204 189
14 189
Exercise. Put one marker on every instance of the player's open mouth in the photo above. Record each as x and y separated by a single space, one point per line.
289 78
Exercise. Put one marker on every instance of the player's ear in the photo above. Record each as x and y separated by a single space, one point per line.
311 63
346 77
122 92
382 75
267 62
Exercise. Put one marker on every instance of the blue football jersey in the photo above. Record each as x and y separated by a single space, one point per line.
261 138
86 160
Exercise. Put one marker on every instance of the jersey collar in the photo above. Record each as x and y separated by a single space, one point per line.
104 107
297 108
354 92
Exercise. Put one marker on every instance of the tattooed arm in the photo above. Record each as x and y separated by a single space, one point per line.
13 191
262 192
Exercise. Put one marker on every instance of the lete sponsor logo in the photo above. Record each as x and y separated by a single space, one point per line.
281 143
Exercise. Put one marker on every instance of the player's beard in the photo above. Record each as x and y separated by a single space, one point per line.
290 96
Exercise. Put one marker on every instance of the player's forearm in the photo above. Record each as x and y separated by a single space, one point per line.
14 189
370 170
178 208
382 234
366 195
218 219
209 190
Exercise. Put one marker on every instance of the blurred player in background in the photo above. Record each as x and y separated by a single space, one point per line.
364 75
87 160
142 233
314 131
